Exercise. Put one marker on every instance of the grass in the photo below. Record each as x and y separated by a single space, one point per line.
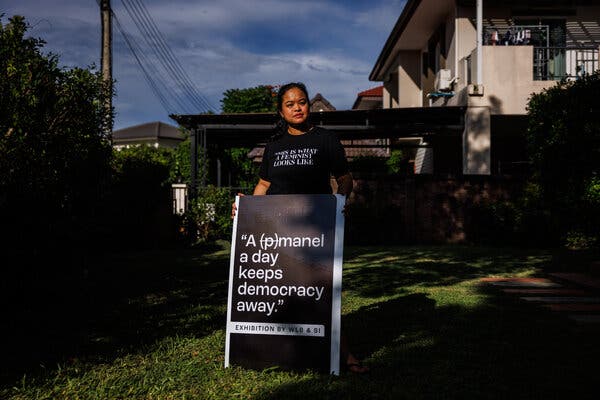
150 325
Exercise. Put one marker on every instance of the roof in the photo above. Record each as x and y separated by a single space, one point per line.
246 130
373 92
149 130
418 20
369 99
314 103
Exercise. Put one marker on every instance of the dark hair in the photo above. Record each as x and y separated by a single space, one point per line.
282 125
283 89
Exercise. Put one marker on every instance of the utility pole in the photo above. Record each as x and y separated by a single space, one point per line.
106 63
479 13
192 193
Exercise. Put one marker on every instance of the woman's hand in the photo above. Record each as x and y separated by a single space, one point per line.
233 207
344 186
345 209
261 189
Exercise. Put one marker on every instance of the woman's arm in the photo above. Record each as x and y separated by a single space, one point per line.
345 184
261 187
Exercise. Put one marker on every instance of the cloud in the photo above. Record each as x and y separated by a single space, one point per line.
245 69
230 15
42 9
380 18
329 45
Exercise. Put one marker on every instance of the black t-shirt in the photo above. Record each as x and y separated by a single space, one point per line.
303 164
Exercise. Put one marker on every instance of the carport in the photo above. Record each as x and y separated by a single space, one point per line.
216 132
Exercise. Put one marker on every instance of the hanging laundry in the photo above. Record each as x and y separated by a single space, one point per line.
527 36
495 37
506 39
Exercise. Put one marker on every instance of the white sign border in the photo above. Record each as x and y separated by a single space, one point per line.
231 271
336 293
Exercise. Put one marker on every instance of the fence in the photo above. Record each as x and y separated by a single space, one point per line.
556 63
426 209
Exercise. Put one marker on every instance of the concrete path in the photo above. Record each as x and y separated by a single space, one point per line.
573 295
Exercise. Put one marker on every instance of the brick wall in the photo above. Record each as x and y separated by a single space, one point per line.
422 209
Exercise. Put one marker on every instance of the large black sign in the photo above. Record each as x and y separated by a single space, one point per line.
285 282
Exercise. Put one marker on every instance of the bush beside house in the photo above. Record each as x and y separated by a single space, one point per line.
54 155
559 203
564 146
64 193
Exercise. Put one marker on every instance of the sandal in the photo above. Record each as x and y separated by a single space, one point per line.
357 367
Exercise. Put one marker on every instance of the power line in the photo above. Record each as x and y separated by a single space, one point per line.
155 73
138 55
149 30
184 102
153 85
162 45
185 97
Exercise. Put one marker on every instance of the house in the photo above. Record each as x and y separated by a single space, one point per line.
370 99
397 207
155 134
320 103
489 57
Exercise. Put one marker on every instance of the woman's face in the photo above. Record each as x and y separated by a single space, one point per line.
294 107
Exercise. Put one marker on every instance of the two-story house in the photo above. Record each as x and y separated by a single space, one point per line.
489 56
156 134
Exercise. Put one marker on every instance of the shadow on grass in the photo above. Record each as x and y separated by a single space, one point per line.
498 350
418 344
492 348
382 271
100 308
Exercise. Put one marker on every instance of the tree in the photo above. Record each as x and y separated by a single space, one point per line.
564 146
54 157
251 100
181 168
257 99
141 208
207 216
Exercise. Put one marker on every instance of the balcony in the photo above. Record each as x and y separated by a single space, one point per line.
512 73
554 58
557 63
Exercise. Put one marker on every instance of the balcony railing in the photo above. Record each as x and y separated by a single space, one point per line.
556 63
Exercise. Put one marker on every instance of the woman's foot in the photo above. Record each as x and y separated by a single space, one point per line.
354 365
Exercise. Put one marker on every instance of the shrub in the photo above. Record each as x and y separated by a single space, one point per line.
517 221
140 207
54 155
564 145
209 215
576 240
396 162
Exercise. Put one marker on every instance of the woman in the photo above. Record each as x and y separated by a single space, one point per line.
300 159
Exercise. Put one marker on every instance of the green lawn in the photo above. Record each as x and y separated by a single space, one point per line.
150 325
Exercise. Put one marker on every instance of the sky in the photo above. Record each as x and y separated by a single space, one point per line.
331 46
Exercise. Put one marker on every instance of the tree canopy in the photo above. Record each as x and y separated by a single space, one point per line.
257 99
564 145
53 152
